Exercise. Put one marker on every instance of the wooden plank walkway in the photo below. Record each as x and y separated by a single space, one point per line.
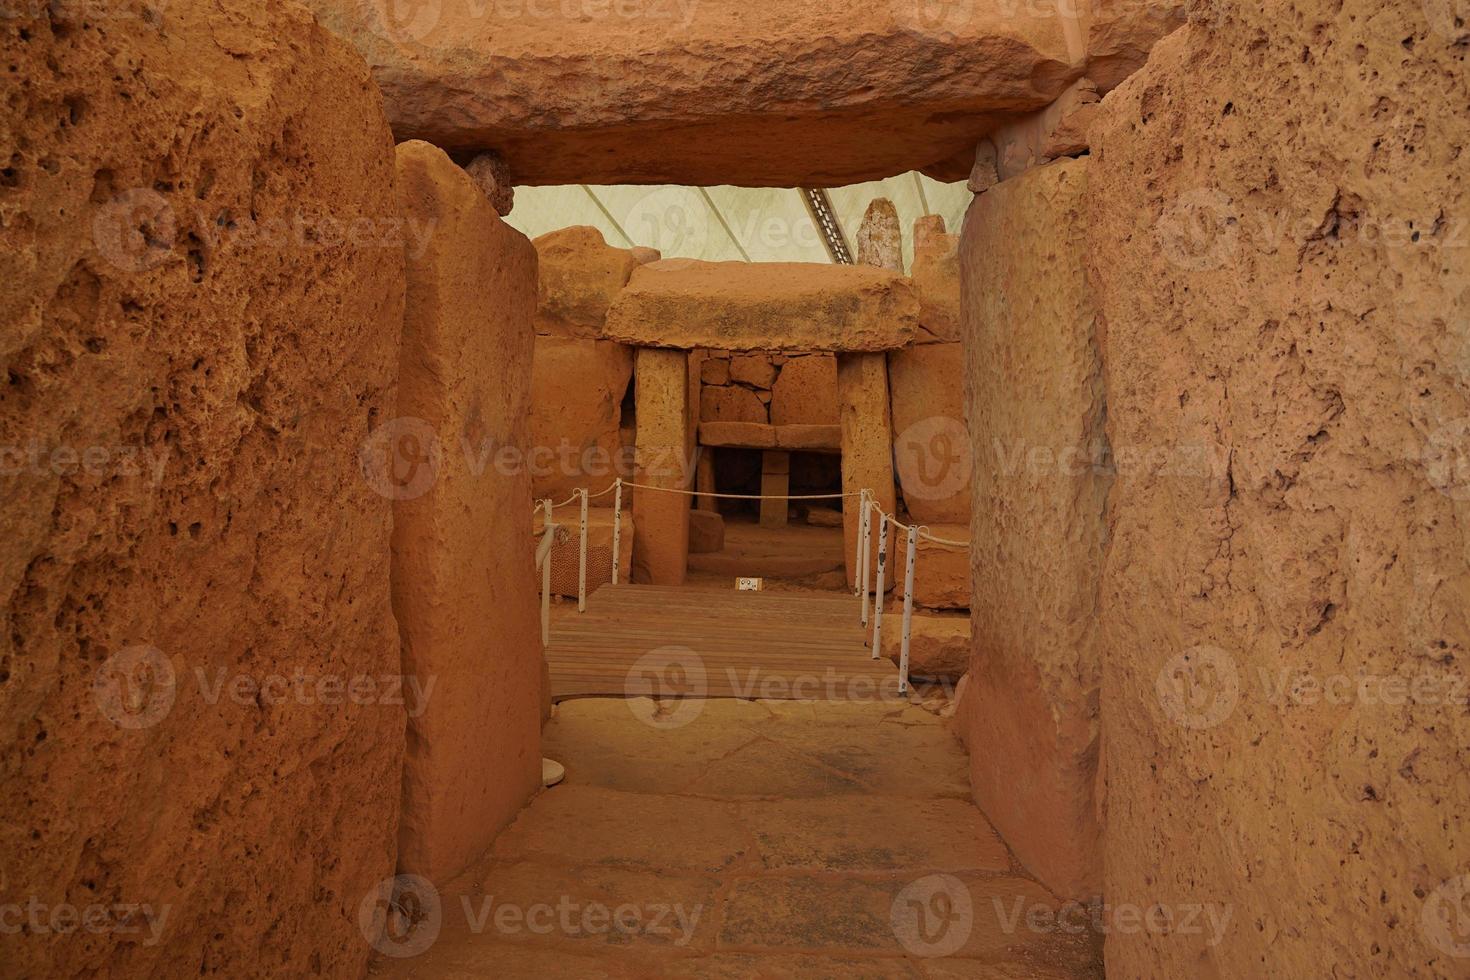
671 641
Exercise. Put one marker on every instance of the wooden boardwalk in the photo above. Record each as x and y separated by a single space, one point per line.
669 641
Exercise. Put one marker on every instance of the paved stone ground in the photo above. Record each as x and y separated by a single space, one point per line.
739 839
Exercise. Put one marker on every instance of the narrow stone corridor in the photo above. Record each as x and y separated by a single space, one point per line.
733 839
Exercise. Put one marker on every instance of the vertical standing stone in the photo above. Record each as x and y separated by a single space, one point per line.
1033 379
931 448
1286 595
665 424
880 238
191 523
704 479
867 444
464 581
775 485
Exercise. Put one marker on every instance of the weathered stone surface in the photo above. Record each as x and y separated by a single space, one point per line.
665 432
931 448
1286 328
579 277
186 522
941 571
706 532
493 178
983 175
939 645
755 370
750 435
1120 36
464 583
823 438
1035 400
1058 130
867 445
805 393
577 390
715 371
936 275
720 92
806 833
730 403
880 237
791 306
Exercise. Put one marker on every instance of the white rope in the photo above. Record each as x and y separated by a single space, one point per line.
590 496
921 529
741 496
924 533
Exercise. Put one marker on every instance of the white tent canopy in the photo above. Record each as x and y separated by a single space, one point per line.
748 224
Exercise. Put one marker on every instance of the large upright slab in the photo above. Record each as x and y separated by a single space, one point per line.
867 447
577 392
728 91
931 448
578 277
464 581
665 434
1287 321
1033 388
771 306
201 291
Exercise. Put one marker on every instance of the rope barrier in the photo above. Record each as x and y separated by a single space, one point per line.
862 566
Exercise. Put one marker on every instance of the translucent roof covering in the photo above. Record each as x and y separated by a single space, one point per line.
731 223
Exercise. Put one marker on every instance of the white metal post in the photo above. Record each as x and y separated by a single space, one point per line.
582 558
617 527
865 552
908 612
857 558
878 593
548 534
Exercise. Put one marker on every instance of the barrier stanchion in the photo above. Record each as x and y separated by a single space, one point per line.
908 612
582 559
617 527
548 542
857 557
865 552
878 593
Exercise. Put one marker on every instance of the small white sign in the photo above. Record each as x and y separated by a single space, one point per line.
750 584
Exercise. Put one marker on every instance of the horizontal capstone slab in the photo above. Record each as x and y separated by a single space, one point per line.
768 306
